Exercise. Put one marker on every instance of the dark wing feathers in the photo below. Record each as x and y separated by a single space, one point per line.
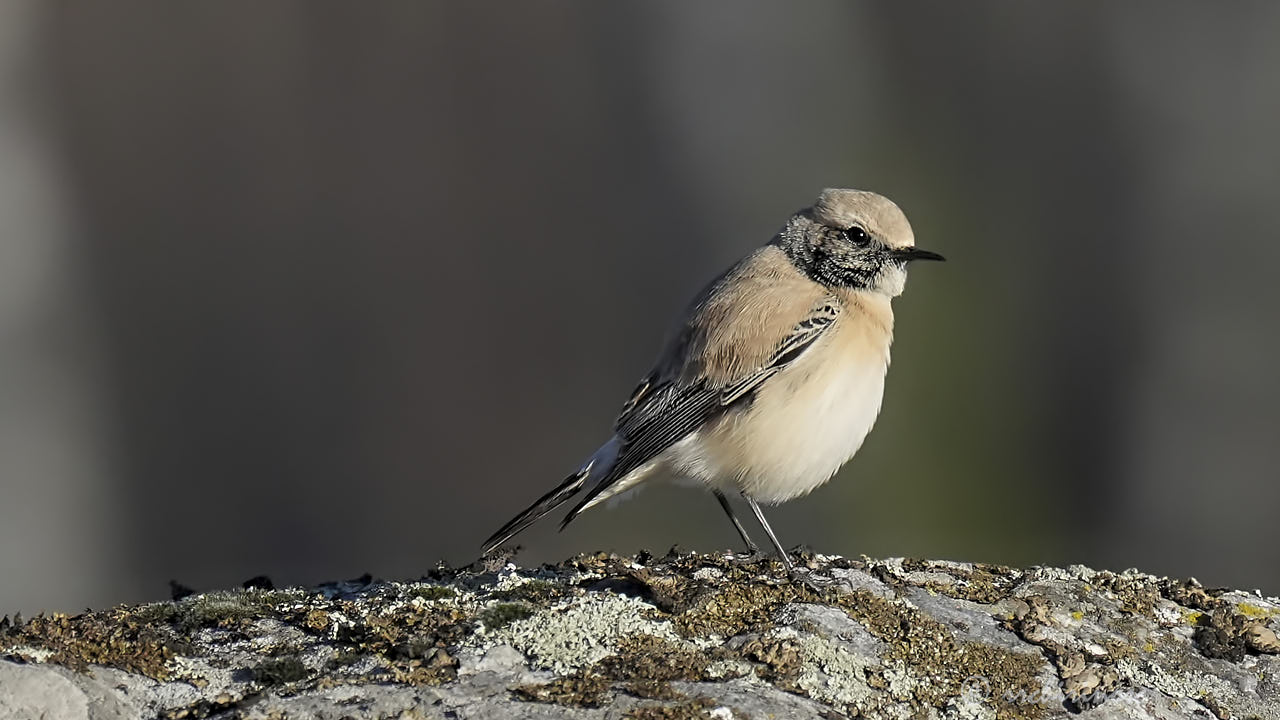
544 505
671 413
659 414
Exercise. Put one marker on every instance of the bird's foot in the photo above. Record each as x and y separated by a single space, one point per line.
768 562
753 556
812 580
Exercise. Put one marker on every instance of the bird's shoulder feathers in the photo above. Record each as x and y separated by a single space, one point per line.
738 323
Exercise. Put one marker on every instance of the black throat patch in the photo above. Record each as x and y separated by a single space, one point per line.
825 256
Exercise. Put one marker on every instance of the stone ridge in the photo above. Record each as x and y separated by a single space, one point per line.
685 636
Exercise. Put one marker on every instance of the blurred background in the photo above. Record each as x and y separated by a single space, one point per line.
311 289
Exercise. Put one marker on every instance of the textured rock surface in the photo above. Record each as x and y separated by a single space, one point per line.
686 636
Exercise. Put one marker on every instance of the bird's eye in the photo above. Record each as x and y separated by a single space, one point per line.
857 235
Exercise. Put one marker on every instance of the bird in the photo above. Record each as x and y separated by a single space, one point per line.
771 378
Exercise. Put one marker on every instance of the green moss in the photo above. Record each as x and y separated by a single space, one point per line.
226 608
538 592
501 615
157 613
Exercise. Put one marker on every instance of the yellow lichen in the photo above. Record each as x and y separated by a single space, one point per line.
1254 612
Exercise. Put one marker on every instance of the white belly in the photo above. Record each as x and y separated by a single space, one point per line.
803 425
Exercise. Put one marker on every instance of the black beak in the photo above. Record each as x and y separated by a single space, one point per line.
913 253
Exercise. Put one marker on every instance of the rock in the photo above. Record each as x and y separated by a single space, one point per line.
49 691
1262 639
687 636
36 691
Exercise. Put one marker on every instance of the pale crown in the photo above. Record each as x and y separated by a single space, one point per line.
878 215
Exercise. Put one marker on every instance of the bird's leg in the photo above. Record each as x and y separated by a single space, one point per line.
752 548
801 575
782 554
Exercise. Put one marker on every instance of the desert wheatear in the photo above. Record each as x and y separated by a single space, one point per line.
773 376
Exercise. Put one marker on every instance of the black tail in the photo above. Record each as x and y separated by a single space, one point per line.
545 504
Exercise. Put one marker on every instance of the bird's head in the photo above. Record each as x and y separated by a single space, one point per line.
855 239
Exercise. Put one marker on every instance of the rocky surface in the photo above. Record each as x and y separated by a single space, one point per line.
685 636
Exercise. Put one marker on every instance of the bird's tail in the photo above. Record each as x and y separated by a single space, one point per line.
534 512
592 471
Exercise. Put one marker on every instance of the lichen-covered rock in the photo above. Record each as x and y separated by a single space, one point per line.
686 636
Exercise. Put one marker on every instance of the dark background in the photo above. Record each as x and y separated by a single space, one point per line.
314 289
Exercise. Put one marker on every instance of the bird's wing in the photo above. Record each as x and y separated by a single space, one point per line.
805 333
717 359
